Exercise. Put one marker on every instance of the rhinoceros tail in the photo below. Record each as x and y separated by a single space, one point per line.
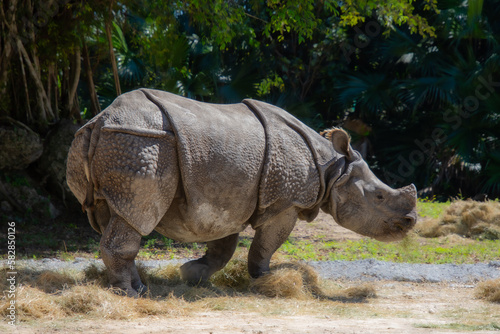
91 135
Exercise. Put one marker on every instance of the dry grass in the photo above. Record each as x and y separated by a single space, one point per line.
489 290
54 295
94 274
234 275
35 304
363 291
281 283
47 281
289 281
300 281
466 218
51 282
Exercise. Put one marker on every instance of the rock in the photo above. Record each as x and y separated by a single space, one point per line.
19 145
53 212
5 206
52 164
494 264
28 199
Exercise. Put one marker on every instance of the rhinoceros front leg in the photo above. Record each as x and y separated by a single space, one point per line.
219 252
268 238
119 246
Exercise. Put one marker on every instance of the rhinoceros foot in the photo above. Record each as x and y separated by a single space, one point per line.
195 272
122 291
142 290
135 290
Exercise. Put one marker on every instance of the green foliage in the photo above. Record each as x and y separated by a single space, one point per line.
415 71
245 242
428 101
17 180
167 242
392 13
295 15
265 86
150 243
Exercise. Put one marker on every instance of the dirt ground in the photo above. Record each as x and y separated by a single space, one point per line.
398 307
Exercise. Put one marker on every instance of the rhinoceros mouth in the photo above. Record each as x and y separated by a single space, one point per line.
404 224
396 228
393 235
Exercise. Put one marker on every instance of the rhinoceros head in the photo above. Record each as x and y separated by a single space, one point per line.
362 203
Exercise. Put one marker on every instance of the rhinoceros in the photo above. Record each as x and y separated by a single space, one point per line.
200 172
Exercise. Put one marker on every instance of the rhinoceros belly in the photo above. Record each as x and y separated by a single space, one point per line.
204 223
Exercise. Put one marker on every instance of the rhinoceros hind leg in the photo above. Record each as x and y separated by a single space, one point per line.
219 252
119 246
268 238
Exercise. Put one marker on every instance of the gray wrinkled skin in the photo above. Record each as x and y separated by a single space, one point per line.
199 172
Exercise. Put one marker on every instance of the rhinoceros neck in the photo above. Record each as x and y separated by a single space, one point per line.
296 157
331 172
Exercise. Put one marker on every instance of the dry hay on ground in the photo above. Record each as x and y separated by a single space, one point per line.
469 218
300 281
54 295
289 281
234 275
489 290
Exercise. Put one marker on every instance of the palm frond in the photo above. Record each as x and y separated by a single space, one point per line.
130 67
437 91
370 92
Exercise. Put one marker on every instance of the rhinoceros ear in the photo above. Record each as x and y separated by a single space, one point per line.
340 140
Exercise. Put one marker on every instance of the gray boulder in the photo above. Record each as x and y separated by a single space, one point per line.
19 145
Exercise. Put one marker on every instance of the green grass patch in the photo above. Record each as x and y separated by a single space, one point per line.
410 250
431 209
300 250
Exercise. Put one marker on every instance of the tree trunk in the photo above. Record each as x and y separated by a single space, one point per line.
52 86
42 101
94 101
56 88
75 70
8 21
35 69
29 115
112 52
75 111
5 57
